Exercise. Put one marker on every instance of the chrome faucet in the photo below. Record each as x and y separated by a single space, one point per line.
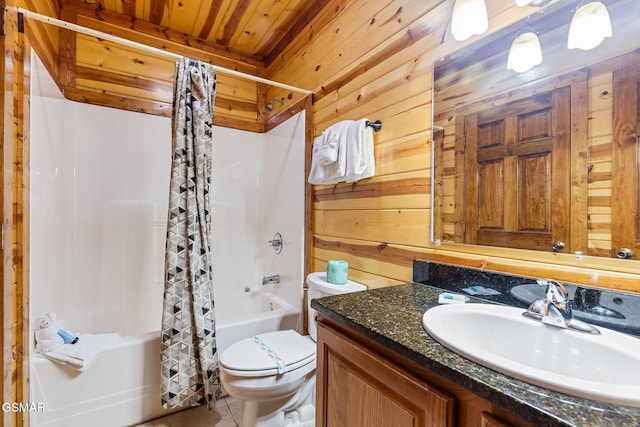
267 280
555 309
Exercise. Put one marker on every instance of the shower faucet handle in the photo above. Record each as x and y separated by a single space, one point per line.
276 243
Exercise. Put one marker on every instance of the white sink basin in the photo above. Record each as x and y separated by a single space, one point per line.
602 367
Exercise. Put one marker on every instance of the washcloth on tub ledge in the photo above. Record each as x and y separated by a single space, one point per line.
84 352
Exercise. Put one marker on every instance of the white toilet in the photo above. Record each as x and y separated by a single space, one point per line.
274 373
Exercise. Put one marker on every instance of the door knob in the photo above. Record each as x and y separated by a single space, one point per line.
558 245
624 253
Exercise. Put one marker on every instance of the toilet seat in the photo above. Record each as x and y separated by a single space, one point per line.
260 355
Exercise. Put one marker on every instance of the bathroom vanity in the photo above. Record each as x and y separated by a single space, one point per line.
377 365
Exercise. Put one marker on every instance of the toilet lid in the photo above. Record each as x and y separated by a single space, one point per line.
272 351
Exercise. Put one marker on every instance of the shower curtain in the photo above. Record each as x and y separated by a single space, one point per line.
189 368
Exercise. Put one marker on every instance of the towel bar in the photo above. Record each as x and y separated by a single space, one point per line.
377 125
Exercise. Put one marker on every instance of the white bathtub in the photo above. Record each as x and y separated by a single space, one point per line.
122 387
245 314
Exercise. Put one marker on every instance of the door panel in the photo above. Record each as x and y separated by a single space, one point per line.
517 173
625 192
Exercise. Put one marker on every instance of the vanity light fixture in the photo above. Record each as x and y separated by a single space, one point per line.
590 25
525 52
469 18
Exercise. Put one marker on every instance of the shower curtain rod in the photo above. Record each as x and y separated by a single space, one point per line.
99 34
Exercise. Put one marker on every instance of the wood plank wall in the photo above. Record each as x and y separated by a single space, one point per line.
15 220
373 59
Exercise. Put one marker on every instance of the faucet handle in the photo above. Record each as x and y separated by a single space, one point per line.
556 310
556 292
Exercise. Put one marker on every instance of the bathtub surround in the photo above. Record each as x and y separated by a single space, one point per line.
189 354
258 190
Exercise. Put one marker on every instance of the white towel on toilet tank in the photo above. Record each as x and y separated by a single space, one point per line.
344 152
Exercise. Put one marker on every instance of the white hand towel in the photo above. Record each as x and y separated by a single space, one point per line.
327 152
333 172
359 152
321 174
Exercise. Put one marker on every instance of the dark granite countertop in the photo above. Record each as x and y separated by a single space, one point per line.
392 317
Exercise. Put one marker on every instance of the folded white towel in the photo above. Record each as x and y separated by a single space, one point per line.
323 171
84 352
327 151
359 152
47 339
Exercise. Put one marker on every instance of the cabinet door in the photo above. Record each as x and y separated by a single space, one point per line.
356 387
489 420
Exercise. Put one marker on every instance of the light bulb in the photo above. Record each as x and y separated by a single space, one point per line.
590 25
469 18
525 52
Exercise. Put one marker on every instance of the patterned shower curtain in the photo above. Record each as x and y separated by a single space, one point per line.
188 352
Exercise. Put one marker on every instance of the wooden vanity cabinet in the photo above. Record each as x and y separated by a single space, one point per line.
360 384
356 387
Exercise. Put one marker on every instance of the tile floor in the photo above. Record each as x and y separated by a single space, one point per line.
225 414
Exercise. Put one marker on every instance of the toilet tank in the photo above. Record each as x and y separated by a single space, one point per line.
319 287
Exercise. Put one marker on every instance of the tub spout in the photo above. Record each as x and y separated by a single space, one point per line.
267 280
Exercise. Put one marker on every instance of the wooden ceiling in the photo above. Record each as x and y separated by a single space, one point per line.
258 28
241 35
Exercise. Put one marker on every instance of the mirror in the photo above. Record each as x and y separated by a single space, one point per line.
546 159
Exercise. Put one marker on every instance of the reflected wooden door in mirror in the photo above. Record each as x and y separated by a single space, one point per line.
625 193
515 184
